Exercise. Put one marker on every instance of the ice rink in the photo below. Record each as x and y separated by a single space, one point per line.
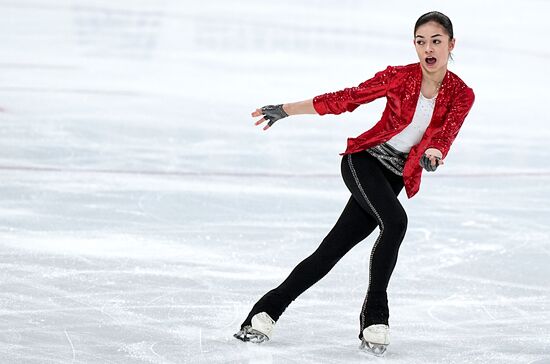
142 213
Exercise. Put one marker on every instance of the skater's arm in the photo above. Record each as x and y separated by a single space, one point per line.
336 103
442 140
460 108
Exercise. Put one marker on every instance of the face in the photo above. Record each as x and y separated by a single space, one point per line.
433 46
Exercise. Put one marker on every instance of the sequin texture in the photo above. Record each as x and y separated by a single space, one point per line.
401 87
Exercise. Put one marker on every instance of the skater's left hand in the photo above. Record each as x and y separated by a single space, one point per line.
431 159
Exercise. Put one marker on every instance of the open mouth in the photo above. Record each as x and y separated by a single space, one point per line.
431 60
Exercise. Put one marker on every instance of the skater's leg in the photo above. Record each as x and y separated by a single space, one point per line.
376 189
353 225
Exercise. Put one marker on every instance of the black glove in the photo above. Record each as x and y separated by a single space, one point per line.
272 113
427 164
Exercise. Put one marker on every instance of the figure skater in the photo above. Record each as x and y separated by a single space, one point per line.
426 106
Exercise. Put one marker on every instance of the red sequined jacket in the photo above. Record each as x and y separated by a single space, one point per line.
401 87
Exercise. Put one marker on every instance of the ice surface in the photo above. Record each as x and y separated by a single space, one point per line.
142 213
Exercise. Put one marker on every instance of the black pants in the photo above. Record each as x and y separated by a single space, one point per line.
373 203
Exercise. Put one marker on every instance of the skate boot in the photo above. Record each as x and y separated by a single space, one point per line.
376 339
260 330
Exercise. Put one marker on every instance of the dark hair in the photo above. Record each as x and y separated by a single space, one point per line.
437 17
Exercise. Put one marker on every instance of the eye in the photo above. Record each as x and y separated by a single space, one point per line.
437 41
419 42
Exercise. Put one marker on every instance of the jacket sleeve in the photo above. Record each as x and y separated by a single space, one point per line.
460 108
350 98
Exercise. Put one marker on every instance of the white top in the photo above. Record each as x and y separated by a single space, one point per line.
412 134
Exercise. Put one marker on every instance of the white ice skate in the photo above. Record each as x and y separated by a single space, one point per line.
260 330
376 339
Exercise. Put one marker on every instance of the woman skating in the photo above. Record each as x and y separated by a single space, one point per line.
426 106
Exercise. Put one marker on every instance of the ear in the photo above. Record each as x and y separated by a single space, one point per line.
452 45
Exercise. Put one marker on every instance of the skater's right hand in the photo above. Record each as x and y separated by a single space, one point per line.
272 113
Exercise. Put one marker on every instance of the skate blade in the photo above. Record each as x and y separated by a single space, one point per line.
373 349
251 335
